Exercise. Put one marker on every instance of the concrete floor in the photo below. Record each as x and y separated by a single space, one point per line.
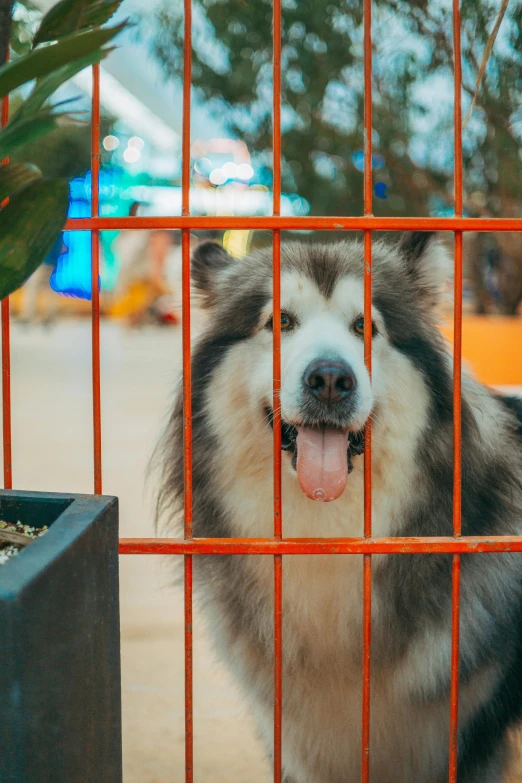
52 450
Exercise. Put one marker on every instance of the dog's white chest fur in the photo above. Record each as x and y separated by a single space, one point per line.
322 632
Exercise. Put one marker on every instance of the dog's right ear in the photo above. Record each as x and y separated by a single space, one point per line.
208 262
428 264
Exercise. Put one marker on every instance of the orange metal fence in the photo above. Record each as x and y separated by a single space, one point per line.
278 545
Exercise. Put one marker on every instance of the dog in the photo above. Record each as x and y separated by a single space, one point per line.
326 399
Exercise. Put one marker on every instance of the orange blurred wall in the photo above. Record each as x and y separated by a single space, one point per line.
492 347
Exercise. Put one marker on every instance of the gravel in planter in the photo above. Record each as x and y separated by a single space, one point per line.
15 536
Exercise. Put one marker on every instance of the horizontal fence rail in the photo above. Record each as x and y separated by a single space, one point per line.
320 546
291 223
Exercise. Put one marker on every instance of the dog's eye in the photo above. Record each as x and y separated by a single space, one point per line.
287 322
358 326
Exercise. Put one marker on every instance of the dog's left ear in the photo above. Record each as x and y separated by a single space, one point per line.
208 262
428 264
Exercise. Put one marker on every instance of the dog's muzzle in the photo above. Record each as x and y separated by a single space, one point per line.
321 455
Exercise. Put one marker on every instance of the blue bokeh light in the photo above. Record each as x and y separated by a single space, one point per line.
72 274
381 190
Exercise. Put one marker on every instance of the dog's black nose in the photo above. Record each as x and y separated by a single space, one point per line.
329 381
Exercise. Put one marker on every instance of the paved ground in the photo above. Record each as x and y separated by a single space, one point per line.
52 450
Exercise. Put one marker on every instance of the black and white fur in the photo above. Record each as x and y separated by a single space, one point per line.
410 401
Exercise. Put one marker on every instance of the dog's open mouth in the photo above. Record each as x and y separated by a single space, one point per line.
321 455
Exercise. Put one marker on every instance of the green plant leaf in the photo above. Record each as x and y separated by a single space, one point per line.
16 176
15 135
69 16
29 226
43 61
46 86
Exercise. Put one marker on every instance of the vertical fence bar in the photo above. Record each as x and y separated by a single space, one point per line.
95 278
457 420
367 561
6 360
187 388
278 522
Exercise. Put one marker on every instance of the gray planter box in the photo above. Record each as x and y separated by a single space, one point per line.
60 693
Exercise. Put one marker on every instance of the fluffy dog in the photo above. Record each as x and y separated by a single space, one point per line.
326 399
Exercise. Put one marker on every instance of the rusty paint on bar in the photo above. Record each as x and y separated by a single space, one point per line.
457 384
321 546
276 309
6 358
95 275
292 223
187 389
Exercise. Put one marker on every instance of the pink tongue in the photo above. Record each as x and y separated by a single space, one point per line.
322 462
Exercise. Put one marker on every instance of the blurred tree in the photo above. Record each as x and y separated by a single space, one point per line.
322 111
322 104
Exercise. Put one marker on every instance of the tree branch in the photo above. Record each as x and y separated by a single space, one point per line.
485 57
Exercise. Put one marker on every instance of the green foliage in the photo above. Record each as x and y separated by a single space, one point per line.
47 85
36 210
322 110
17 135
46 60
70 16
29 226
14 177
35 118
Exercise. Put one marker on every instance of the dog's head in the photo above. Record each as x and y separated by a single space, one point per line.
327 394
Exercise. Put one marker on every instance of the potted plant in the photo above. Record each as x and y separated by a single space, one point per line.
60 706
60 703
